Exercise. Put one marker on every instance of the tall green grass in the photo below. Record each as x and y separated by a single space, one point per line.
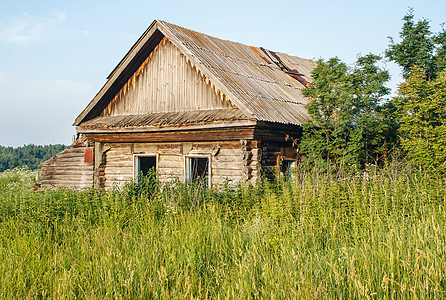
376 235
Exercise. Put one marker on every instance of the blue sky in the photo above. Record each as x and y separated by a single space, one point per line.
55 55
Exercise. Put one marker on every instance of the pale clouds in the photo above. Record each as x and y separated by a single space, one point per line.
25 28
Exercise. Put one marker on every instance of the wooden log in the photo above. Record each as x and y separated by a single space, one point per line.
256 152
145 148
220 180
176 172
72 167
60 182
171 164
64 160
170 177
232 159
226 172
255 165
118 177
62 172
166 146
119 164
119 171
175 136
230 152
256 173
118 156
226 165
170 151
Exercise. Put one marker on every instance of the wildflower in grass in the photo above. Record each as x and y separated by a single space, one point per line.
275 243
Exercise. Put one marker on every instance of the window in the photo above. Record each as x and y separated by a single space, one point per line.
197 170
144 164
287 167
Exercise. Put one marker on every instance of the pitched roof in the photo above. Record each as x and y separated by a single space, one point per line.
256 81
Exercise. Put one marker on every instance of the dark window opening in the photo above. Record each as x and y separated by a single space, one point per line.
198 169
146 164
287 168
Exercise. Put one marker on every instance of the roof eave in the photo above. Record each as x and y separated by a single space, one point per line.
171 127
117 70
134 51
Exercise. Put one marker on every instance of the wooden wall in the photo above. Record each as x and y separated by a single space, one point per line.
236 161
271 153
69 169
166 82
117 168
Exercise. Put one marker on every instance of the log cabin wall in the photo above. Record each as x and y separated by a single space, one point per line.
166 82
71 168
272 153
251 160
234 162
255 162
227 161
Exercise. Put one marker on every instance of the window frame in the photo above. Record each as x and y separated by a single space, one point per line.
187 176
292 165
136 163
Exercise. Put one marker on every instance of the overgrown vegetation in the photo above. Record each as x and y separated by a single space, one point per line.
349 113
354 122
27 155
377 235
370 227
422 96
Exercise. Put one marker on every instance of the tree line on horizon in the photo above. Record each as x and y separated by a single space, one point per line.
28 155
354 120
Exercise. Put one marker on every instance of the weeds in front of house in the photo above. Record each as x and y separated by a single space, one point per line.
376 235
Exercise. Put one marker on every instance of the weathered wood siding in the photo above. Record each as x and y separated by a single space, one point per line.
271 153
227 161
231 161
252 159
166 82
67 169
117 168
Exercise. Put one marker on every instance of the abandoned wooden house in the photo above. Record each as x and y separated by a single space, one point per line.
191 106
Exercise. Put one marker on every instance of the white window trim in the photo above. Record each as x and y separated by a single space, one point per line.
186 166
135 163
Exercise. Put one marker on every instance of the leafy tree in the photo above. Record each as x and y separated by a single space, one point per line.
422 109
421 98
440 58
418 47
346 106
328 92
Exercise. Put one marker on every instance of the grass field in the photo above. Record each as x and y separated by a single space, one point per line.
379 235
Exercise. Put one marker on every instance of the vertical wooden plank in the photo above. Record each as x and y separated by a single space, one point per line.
167 82
97 164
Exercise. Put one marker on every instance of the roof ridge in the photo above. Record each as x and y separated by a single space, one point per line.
239 71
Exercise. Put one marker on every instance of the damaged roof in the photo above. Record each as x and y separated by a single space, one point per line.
263 84
164 119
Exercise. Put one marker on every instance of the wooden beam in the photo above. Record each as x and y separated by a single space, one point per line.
276 132
178 127
175 136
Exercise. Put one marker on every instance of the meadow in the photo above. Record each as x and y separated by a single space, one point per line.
378 234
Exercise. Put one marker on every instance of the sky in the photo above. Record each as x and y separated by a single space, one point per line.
55 55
